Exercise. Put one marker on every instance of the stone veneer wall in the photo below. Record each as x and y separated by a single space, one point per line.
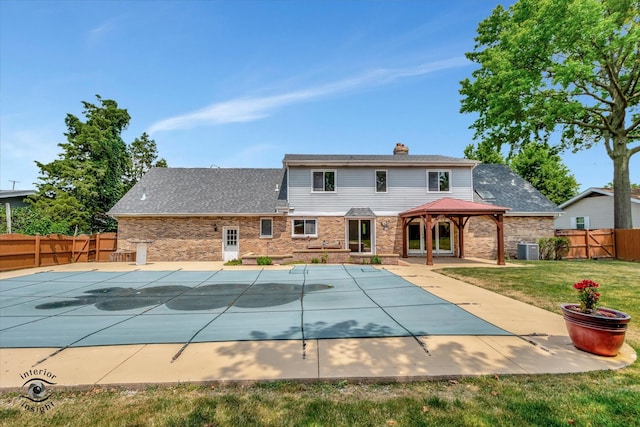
480 236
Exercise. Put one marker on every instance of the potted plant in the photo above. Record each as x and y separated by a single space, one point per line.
594 329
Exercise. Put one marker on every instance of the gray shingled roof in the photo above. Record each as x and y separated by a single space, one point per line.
372 159
360 213
509 189
209 191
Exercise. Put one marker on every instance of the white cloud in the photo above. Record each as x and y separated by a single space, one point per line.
249 109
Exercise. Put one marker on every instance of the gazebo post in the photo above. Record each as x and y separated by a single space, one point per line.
461 236
500 226
429 238
404 237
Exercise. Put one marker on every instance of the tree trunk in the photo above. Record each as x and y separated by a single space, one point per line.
621 185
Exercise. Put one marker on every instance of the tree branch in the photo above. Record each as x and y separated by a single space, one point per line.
633 126
607 145
586 92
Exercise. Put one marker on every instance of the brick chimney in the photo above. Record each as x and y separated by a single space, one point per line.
400 149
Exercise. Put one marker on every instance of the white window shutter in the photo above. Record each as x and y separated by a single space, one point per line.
573 222
586 223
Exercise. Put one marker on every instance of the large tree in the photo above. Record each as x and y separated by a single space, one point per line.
94 170
565 69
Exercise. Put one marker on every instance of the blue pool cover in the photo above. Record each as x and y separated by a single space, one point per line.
92 308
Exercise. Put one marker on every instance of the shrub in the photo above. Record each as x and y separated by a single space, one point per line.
315 261
325 257
264 260
237 261
553 247
376 260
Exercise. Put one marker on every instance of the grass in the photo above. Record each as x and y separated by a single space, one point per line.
606 398
546 284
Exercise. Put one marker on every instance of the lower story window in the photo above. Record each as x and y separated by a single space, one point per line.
581 222
266 227
304 228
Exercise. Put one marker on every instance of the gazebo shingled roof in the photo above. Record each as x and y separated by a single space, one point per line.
459 212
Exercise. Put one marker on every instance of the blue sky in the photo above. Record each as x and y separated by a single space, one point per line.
241 83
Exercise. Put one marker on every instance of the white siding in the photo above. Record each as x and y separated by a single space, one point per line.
599 209
355 187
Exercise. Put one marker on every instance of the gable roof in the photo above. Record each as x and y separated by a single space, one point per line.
10 194
448 205
204 191
500 185
594 191
373 160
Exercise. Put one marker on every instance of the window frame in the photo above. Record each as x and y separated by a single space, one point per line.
324 180
581 225
386 180
262 234
304 235
439 171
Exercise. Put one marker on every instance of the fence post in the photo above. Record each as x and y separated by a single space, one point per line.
36 261
586 243
97 253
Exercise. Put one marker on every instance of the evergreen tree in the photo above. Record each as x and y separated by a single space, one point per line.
90 175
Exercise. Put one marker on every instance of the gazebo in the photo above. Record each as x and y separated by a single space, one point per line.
459 212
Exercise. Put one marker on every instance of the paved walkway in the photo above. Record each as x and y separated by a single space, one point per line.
541 346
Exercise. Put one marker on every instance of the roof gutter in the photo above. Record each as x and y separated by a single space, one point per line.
183 215
363 163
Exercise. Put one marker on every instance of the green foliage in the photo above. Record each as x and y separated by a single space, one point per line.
94 169
264 260
376 260
315 261
561 68
484 152
541 165
30 221
554 248
237 261
143 156
325 256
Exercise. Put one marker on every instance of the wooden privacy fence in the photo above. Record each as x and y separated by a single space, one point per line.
20 251
603 243
628 244
590 243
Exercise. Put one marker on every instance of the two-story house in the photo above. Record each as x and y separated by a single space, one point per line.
354 205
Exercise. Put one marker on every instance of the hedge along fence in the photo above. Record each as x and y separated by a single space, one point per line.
19 251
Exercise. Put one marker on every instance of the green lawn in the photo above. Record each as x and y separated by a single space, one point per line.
591 399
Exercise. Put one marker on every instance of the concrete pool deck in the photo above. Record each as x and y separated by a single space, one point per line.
540 345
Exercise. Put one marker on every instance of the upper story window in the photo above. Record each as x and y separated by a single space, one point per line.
324 180
304 228
438 181
266 227
381 181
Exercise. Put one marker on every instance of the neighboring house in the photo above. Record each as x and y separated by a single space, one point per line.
593 209
15 198
354 204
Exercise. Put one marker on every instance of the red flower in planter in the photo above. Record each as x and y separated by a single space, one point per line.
587 294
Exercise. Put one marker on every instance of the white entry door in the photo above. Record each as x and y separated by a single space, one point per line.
230 244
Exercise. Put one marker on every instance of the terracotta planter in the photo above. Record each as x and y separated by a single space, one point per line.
601 334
